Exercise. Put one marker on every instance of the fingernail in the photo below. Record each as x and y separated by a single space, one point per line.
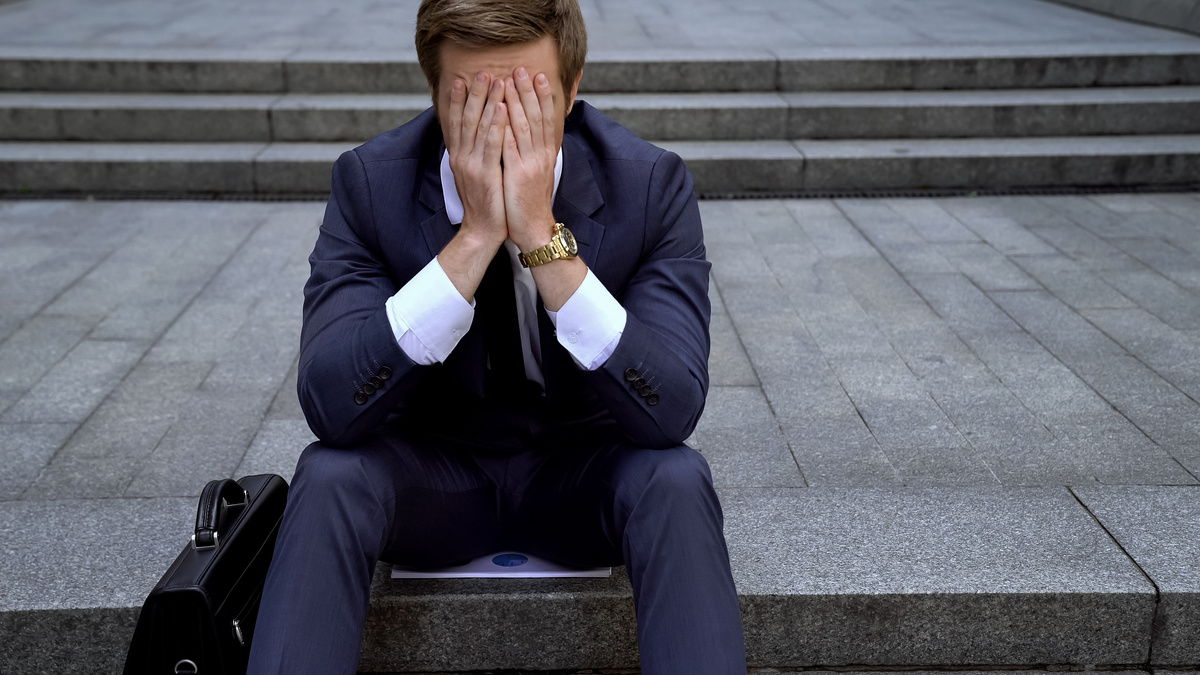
497 86
522 73
458 86
541 80
481 78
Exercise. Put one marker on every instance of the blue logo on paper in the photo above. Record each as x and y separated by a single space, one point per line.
510 560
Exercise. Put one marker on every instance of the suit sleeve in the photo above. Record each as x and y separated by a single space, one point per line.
352 371
656 381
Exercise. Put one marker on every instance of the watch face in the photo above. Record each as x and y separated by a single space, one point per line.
569 240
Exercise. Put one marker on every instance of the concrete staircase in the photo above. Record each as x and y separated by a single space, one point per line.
121 122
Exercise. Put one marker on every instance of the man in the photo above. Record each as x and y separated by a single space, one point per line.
466 403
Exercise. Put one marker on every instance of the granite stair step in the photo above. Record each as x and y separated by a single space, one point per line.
994 113
1011 66
868 577
54 116
719 167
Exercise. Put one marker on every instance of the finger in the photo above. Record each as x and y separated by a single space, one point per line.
517 119
532 107
545 95
458 99
510 144
493 148
495 96
476 98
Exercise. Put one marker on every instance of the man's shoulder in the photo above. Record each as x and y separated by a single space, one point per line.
607 139
408 141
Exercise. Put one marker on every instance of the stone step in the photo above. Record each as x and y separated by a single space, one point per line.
719 167
874 577
52 116
1015 66
994 113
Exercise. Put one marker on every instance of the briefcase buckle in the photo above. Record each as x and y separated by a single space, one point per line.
245 499
216 541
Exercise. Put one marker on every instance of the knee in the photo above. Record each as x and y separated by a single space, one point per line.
679 479
326 476
336 503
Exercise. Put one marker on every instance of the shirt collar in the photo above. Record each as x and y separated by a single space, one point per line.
454 207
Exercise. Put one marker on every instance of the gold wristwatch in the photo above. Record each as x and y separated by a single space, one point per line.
562 245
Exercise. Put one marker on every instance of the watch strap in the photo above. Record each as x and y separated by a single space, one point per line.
555 250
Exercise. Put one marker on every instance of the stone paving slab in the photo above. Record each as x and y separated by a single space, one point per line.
917 571
1159 528
981 65
133 69
74 585
1093 111
190 167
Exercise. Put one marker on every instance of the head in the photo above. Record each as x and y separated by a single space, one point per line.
456 39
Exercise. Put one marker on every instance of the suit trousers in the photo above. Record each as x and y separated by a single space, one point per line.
424 501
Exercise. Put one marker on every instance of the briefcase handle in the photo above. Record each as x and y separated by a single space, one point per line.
216 497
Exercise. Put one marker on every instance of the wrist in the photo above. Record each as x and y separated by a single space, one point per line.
483 239
534 237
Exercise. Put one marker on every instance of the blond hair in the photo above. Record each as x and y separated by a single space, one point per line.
490 23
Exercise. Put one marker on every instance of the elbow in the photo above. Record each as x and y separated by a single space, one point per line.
687 416
334 436
658 436
674 435
332 429
322 426
672 426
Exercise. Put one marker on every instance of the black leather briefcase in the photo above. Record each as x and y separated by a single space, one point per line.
200 617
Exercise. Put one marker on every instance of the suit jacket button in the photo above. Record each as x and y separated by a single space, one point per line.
631 375
360 398
652 399
384 373
645 391
376 382
639 384
367 389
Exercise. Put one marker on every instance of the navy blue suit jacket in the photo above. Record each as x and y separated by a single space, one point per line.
630 205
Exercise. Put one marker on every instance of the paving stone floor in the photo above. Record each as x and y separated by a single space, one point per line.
901 391
1015 341
612 24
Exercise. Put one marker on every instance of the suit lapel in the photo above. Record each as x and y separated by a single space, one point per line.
436 227
469 359
578 199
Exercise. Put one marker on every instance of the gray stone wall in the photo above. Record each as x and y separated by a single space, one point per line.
1178 14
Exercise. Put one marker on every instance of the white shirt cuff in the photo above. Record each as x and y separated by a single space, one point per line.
589 324
429 316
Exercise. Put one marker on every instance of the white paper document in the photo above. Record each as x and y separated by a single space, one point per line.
510 564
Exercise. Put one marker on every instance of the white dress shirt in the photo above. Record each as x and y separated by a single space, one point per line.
429 316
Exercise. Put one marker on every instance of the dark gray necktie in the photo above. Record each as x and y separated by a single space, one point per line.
496 307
